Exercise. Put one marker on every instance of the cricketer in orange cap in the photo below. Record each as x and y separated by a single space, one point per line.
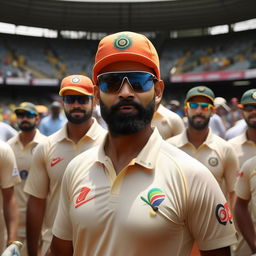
77 83
126 46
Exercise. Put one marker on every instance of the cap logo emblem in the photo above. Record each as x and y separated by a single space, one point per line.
23 105
201 89
254 95
75 80
122 42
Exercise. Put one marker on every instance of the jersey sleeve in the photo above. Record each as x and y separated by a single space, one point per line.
231 169
62 227
209 218
242 186
37 183
9 175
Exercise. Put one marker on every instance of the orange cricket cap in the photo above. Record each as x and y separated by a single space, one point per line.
77 83
126 46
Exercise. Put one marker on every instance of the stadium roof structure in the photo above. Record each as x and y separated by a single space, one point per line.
141 16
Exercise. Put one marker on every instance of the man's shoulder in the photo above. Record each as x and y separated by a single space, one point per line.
175 139
84 159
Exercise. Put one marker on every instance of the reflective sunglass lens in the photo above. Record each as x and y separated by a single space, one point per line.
26 114
249 108
81 99
112 82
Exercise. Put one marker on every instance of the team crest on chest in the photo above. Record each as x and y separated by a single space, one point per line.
213 161
122 42
155 197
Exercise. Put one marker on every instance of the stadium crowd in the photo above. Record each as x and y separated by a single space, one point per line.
56 58
113 138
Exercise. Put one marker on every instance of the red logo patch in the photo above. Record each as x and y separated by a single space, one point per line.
81 199
223 214
240 174
56 161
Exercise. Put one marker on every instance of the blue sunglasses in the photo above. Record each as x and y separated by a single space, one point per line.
139 81
194 105
81 99
23 114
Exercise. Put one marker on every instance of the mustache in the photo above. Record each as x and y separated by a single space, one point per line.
125 103
25 122
201 116
77 110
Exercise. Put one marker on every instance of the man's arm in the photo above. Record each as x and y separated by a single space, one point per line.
244 222
34 221
61 247
10 213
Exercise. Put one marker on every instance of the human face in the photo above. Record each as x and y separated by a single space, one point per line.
26 121
198 114
249 115
78 107
127 111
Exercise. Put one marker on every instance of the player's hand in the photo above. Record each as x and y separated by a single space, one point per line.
11 250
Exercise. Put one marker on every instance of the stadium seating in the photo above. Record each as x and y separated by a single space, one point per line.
55 58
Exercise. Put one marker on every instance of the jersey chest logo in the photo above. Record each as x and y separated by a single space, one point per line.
56 161
82 197
155 197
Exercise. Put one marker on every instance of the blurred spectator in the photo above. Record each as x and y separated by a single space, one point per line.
218 121
174 105
7 131
234 114
42 111
54 121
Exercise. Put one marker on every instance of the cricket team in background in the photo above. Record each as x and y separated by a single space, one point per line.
149 182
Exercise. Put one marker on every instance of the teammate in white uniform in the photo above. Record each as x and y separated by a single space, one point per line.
9 176
200 142
52 156
245 147
23 145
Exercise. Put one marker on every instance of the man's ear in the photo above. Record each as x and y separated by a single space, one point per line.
185 110
96 94
159 89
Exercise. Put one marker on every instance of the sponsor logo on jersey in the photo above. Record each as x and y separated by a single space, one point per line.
155 197
223 214
240 174
82 197
213 161
56 161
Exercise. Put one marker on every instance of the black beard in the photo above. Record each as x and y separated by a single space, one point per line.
27 128
78 120
125 124
198 126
